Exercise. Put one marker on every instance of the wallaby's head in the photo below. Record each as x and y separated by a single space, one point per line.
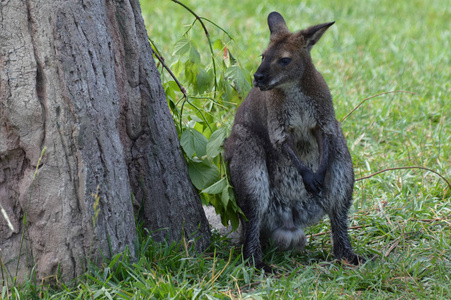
288 54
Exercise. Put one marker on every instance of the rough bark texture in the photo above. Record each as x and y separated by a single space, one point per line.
78 78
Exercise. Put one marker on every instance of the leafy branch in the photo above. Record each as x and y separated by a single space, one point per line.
210 92
208 37
161 60
181 88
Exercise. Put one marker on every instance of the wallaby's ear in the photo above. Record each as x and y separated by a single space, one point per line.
314 33
277 24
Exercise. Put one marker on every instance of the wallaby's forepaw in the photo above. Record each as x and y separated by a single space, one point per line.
313 182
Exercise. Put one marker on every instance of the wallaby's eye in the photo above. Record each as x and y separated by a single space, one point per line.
263 57
284 61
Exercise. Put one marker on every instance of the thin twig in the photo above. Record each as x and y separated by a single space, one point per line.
198 109
219 27
328 232
432 220
161 60
181 88
393 246
407 92
408 167
195 15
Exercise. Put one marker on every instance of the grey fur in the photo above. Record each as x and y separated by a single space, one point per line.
288 159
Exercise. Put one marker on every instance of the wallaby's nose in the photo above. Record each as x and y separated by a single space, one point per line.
258 77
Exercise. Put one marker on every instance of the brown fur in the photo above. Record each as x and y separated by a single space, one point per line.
288 159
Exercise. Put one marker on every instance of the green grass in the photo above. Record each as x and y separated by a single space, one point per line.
400 218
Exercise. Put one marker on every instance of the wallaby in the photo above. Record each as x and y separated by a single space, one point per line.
288 158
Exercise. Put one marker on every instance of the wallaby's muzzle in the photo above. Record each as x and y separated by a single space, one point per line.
263 80
259 79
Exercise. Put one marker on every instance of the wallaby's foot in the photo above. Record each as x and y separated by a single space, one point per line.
264 267
354 259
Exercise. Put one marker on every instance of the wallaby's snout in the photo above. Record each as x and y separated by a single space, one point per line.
269 74
258 78
260 81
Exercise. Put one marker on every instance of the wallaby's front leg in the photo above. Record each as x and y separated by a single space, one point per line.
313 181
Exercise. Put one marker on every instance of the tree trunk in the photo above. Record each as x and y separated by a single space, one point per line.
77 78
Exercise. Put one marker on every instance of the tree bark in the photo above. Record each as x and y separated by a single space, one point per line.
77 78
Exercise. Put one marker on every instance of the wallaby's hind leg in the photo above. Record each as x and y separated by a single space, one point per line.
340 188
341 243
252 248
251 182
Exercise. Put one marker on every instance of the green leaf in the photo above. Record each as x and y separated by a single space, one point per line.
202 175
215 200
199 127
177 68
193 142
200 143
217 187
232 211
218 45
191 70
234 219
215 143
225 197
233 60
196 119
238 78
170 93
187 142
174 85
182 46
203 81
194 55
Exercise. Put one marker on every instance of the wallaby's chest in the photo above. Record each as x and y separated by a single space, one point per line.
293 121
